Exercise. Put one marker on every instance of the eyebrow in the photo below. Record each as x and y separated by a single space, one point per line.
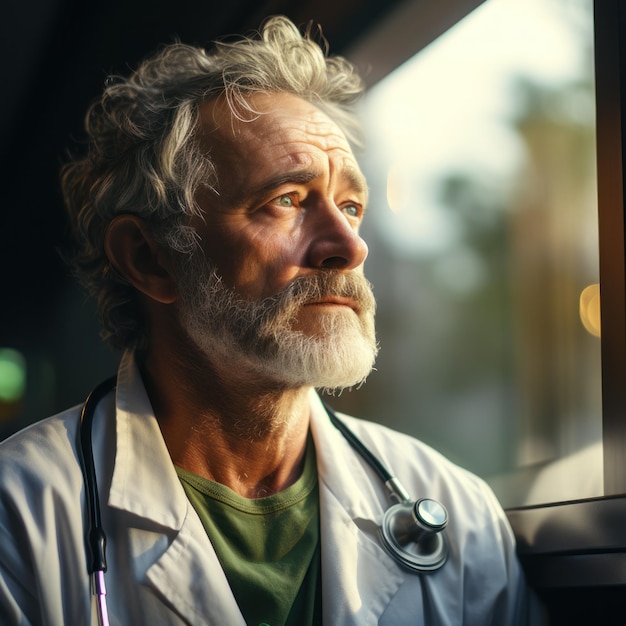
351 175
296 177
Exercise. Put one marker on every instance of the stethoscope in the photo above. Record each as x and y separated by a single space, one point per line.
411 531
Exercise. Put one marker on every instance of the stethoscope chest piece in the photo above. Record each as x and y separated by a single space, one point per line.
411 533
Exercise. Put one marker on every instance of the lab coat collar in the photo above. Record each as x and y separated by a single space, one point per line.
360 578
141 455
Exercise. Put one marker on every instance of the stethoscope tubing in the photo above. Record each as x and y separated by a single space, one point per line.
95 538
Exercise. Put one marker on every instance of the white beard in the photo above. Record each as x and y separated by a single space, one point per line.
259 335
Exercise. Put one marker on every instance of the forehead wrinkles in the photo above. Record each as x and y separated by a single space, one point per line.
292 133
307 142
288 131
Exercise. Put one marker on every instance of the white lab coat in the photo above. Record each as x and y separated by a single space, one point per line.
162 568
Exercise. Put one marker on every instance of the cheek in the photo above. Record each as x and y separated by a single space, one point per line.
262 265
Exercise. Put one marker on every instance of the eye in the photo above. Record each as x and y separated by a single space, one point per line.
286 201
352 210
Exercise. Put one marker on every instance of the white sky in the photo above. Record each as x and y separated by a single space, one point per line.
450 105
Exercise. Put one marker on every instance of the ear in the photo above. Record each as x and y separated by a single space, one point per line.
133 252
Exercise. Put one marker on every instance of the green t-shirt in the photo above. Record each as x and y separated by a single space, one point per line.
268 547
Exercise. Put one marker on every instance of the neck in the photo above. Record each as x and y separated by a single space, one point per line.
245 433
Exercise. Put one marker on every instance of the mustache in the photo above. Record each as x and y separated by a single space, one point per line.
306 289
250 319
263 321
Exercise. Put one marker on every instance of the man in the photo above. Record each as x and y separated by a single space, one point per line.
217 222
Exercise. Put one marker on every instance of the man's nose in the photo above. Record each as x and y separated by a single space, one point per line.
335 241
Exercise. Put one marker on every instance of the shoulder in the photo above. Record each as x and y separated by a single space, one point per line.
425 472
406 453
45 436
40 453
41 520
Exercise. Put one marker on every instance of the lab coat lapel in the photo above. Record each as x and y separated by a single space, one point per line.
177 558
197 590
359 577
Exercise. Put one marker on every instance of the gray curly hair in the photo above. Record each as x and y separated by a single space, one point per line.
144 156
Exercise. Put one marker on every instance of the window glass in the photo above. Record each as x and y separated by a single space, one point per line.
482 227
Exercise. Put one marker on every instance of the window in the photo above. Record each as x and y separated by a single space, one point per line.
480 153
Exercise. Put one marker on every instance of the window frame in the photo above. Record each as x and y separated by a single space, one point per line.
610 21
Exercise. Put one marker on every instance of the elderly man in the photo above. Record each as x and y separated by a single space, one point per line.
217 219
